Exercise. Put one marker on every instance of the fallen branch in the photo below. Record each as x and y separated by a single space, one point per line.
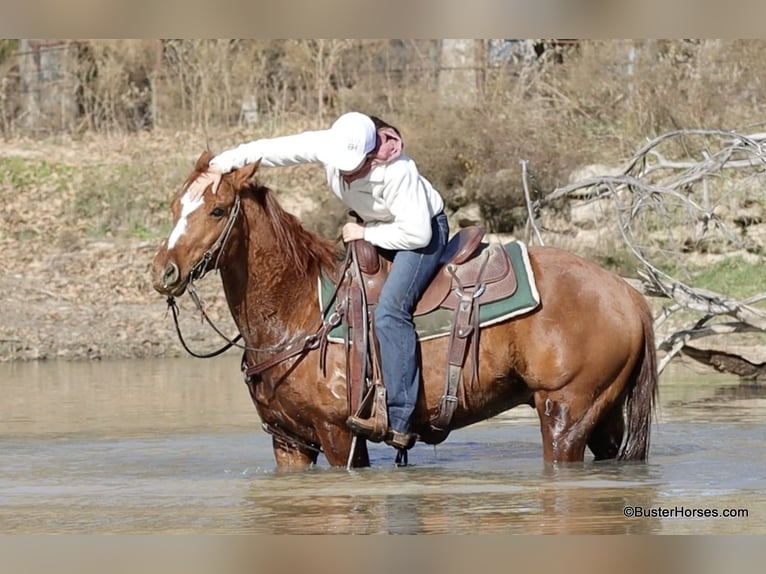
726 362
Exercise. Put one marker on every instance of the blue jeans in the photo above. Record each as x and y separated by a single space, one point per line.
410 274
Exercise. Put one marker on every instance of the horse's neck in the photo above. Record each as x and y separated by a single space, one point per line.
269 300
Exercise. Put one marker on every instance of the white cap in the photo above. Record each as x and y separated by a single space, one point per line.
350 139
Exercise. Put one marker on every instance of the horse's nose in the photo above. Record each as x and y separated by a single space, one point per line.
170 275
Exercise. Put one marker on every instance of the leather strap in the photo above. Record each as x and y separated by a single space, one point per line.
310 343
356 345
458 342
464 331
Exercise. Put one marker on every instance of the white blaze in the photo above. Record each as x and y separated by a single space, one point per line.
189 204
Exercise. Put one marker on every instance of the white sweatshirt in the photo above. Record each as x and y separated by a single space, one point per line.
395 202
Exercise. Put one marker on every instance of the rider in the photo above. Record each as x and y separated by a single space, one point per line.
400 212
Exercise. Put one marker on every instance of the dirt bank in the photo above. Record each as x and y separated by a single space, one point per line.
94 303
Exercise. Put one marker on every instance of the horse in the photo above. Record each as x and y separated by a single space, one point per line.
584 359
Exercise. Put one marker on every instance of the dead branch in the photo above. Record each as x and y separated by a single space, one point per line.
679 196
530 210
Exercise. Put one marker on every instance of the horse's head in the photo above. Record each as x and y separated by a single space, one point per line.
203 220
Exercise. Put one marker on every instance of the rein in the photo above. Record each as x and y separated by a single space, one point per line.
174 308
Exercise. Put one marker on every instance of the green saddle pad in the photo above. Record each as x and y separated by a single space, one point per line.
438 322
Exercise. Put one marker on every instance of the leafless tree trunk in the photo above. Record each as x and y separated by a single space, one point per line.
47 85
461 71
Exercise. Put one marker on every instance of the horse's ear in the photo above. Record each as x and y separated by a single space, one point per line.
203 162
243 175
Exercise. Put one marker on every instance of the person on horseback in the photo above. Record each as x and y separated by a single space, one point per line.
400 211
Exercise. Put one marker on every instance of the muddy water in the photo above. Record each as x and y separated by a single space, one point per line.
174 446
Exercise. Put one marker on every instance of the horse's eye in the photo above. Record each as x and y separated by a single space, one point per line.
218 212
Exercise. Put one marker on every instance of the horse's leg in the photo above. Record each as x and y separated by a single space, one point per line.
292 456
560 441
568 419
606 438
336 443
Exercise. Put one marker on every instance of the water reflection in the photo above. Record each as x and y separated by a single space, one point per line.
122 397
742 403
427 502
175 446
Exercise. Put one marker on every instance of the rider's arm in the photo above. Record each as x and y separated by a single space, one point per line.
273 152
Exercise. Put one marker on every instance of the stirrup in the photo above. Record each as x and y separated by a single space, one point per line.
369 428
371 419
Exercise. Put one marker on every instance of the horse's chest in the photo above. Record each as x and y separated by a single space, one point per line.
300 401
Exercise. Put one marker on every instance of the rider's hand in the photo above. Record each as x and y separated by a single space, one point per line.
352 231
211 177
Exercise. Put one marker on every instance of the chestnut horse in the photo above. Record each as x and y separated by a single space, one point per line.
584 359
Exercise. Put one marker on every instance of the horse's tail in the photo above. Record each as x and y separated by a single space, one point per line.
642 394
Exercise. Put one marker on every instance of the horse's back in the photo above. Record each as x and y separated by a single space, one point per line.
561 275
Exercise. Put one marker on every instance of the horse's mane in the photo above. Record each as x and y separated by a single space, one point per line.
306 251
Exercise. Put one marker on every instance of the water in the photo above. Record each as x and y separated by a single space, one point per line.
175 446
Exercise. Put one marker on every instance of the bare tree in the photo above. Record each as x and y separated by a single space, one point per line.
684 193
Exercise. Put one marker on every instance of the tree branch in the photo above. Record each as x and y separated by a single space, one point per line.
673 197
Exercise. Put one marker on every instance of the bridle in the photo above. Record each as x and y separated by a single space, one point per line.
198 271
298 345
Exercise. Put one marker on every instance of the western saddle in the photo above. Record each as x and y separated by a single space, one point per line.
472 273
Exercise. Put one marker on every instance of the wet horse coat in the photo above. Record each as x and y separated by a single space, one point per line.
585 359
